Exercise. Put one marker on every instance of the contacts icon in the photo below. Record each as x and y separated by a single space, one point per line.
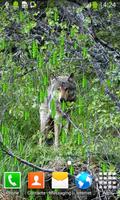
36 180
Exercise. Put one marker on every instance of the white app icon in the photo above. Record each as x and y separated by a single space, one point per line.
59 180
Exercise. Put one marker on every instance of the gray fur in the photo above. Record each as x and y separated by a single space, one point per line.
46 122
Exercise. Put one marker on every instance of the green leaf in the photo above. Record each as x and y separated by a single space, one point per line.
73 31
53 108
34 49
61 52
48 197
4 87
104 167
75 45
4 129
79 139
62 40
56 16
22 16
63 106
2 44
63 137
26 115
84 52
108 83
31 196
81 106
94 5
112 168
84 82
45 80
15 4
72 170
41 96
54 58
40 61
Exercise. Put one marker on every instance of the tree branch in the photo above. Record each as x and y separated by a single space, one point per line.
25 162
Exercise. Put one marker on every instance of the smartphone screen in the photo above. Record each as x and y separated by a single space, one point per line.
59 100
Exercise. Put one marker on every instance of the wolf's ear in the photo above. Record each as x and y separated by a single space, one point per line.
71 77
53 77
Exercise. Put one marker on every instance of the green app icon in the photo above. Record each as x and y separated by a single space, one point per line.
12 180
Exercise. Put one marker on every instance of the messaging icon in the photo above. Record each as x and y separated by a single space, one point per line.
59 180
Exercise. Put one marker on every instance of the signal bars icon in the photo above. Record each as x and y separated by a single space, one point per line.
32 4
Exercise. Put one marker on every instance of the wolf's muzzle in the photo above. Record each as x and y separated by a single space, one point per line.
62 99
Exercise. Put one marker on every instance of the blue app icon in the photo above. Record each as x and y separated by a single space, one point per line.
83 180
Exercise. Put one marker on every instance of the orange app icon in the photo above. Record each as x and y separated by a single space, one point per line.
36 180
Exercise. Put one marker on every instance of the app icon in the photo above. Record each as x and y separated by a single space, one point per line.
59 180
36 180
12 180
107 181
83 180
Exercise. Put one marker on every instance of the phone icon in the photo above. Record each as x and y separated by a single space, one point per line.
12 180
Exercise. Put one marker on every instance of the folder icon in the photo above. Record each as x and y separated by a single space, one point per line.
59 180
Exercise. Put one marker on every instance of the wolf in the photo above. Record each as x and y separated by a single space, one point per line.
61 89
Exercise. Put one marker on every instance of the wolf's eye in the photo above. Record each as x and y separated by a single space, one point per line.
58 89
66 89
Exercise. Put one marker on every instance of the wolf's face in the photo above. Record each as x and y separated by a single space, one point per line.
67 89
